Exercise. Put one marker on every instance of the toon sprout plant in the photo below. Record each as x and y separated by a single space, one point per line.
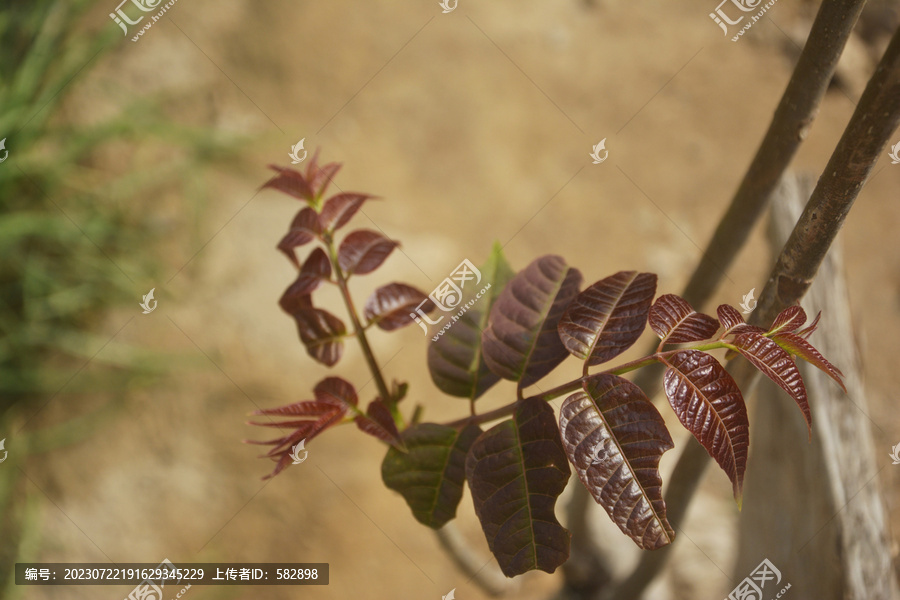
521 328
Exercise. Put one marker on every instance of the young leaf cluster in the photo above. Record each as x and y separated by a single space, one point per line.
521 329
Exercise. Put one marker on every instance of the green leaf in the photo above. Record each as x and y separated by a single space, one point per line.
455 358
431 473
516 471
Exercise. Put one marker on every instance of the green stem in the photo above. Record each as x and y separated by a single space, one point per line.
360 332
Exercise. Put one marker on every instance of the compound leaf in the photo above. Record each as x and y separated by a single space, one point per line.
363 251
608 317
430 474
615 437
455 357
521 341
516 471
676 322
777 365
710 405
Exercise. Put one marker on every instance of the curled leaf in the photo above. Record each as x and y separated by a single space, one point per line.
321 332
521 341
608 317
363 251
615 437
379 423
516 471
709 404
390 306
304 229
316 268
676 322
430 474
777 365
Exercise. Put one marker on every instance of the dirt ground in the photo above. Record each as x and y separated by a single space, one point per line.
472 126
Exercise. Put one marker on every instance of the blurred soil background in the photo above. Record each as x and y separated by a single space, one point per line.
471 127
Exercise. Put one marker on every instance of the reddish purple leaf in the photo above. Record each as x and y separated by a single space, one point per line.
291 182
336 391
390 306
321 177
729 317
795 344
710 405
315 269
340 208
521 342
746 328
304 229
777 365
363 251
615 437
789 320
608 317
379 423
304 408
676 322
808 330
516 470
321 332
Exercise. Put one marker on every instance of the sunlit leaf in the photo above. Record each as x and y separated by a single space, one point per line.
390 306
516 470
729 317
379 423
521 342
304 229
777 365
430 474
676 322
608 317
363 251
455 359
795 344
615 437
340 208
789 320
321 332
709 404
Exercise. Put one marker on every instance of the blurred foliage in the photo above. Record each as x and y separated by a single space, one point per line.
78 236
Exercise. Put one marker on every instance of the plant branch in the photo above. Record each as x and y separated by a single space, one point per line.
360 332
876 117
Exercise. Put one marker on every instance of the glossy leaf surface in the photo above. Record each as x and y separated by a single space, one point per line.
389 307
676 322
795 344
615 437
